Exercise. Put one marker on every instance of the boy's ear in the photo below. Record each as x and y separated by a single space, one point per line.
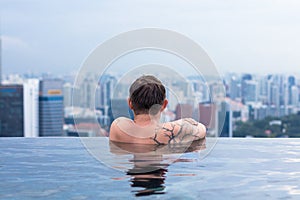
129 103
164 105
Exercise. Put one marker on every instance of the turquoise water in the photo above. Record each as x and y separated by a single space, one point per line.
62 168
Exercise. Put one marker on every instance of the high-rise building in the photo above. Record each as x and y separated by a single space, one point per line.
11 111
184 111
217 91
67 91
291 83
31 107
281 84
179 91
208 115
104 92
119 108
263 89
250 91
87 90
235 88
295 96
103 95
51 110
244 80
225 120
0 61
275 95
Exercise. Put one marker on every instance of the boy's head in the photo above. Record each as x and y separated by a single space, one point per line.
147 94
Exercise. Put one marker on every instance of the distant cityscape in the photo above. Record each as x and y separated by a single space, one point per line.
44 105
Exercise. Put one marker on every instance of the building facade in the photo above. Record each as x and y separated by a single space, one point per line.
51 109
31 107
11 111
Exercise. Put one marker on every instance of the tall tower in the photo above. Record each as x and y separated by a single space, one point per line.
51 109
31 107
11 112
244 83
0 58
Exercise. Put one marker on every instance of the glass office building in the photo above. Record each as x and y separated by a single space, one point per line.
11 111
51 109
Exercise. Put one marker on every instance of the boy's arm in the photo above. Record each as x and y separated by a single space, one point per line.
180 131
176 132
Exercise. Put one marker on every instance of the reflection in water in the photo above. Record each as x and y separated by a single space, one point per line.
149 173
150 178
150 163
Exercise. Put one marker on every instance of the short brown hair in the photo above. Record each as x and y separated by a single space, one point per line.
145 92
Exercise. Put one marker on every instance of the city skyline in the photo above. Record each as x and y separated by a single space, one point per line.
98 101
256 37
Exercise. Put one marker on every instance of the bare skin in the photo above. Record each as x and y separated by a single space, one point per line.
146 129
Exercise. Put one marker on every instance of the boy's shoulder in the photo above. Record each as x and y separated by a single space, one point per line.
115 132
125 130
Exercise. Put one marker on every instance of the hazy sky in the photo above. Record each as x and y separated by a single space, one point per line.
240 36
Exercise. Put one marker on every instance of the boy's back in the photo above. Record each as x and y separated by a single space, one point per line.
180 131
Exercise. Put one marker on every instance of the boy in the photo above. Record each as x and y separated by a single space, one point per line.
147 100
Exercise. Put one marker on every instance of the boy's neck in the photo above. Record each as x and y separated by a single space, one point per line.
146 119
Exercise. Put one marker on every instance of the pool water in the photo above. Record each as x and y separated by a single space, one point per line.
63 168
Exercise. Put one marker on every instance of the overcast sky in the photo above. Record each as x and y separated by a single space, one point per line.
257 36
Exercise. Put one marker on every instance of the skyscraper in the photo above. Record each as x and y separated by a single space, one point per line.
0 60
51 111
263 89
295 96
250 91
208 115
104 92
235 88
245 79
291 83
184 111
67 92
225 120
11 111
87 90
31 108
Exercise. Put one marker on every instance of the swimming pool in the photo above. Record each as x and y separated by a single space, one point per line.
62 168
